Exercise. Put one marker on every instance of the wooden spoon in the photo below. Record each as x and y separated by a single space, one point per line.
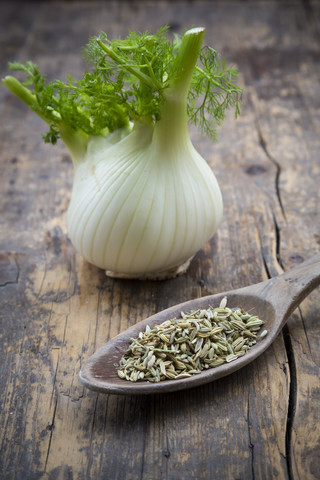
273 301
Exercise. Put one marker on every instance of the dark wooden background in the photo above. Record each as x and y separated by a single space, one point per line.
260 423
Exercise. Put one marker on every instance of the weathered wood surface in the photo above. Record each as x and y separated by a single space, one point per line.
261 422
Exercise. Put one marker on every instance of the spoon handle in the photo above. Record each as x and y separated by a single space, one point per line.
288 290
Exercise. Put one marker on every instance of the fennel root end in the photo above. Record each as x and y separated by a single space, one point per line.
167 274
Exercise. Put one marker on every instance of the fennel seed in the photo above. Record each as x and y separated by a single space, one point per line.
264 333
185 346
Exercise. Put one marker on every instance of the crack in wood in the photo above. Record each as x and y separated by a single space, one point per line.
167 455
2 285
263 145
311 19
11 269
278 241
292 399
250 444
51 429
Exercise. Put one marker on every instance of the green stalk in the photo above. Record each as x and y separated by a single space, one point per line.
75 141
23 94
186 60
173 124
134 70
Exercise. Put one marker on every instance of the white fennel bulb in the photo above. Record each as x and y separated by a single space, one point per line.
144 201
135 213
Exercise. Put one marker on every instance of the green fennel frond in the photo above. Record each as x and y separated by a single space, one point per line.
127 81
212 92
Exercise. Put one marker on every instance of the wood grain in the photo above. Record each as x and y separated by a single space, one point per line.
56 310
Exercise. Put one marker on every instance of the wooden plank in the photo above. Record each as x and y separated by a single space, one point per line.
261 422
293 145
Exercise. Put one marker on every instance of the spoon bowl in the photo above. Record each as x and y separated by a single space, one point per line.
272 300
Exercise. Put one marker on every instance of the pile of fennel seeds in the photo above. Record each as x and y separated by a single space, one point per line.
182 347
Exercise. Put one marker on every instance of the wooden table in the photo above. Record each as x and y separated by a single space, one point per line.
261 422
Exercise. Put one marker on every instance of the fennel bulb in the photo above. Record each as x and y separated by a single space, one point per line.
143 200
